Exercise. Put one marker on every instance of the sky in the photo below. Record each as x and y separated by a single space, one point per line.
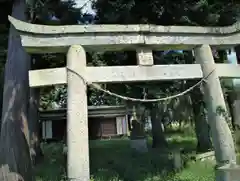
87 8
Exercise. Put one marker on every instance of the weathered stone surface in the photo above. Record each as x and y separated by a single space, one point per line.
206 156
145 57
57 76
177 160
77 117
116 74
229 172
119 37
221 135
44 29
140 145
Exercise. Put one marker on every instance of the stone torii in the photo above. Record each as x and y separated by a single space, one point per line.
77 39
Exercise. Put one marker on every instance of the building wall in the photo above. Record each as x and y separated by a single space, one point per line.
99 127
102 127
108 127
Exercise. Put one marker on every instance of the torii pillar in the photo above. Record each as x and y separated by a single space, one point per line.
77 116
221 134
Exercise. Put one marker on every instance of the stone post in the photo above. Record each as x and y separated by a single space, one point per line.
177 160
229 172
221 134
77 116
137 135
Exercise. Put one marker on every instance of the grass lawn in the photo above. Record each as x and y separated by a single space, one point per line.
112 160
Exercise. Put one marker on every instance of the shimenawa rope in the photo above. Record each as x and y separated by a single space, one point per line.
98 87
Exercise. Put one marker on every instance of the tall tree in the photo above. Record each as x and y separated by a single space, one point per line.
202 128
1 93
33 117
34 127
14 141
156 113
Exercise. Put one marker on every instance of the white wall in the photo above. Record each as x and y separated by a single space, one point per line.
122 125
47 129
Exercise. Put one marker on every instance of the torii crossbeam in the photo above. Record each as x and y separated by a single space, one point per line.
121 37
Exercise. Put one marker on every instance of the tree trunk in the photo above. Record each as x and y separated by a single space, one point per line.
159 140
14 142
231 97
1 94
235 97
202 128
234 105
237 50
34 128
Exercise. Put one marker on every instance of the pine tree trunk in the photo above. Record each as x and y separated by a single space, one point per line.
14 142
159 140
231 97
202 128
235 97
1 94
34 128
237 50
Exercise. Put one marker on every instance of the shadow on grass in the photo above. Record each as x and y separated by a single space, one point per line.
122 163
113 160
110 160
52 167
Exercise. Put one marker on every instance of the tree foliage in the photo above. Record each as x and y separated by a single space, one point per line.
163 12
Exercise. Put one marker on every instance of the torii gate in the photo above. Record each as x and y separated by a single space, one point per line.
143 39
